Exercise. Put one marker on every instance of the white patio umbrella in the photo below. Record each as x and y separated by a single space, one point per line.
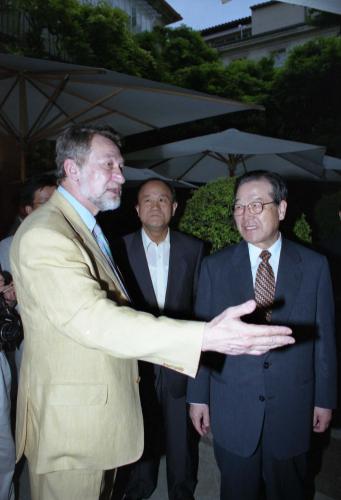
331 163
38 98
229 153
139 175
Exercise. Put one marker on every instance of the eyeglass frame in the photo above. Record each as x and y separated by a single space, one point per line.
262 205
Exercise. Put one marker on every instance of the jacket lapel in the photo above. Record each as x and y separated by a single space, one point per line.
288 283
138 262
84 235
241 275
176 270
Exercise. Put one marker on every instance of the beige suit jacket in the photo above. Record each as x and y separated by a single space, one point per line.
78 401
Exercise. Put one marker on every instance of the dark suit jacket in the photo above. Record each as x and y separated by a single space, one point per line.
284 384
185 258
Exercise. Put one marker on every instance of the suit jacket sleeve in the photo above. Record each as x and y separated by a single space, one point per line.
325 352
64 286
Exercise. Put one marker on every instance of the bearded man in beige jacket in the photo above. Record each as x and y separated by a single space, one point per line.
78 411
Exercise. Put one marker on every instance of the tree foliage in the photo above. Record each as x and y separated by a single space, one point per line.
176 49
208 214
94 35
305 103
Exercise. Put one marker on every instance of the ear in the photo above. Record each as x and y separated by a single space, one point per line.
175 206
71 170
282 208
137 208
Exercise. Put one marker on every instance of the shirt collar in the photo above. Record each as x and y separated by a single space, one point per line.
147 241
275 251
86 216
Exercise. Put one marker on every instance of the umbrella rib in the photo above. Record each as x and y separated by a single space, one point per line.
51 100
217 156
158 163
8 126
9 92
121 113
286 156
74 115
192 166
41 135
99 102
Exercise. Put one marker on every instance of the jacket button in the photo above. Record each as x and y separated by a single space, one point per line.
266 365
261 398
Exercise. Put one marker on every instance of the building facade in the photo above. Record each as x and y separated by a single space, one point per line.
144 15
273 29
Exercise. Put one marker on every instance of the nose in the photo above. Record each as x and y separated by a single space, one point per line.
118 176
155 204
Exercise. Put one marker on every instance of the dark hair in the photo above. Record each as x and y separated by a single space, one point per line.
279 187
153 179
74 143
34 184
7 277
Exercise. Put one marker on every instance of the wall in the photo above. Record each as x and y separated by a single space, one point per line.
277 16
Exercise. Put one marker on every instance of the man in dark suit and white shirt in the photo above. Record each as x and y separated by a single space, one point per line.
262 410
165 266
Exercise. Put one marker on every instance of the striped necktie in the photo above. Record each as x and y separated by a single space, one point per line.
265 285
105 248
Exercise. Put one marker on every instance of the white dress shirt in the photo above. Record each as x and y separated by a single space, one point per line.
254 253
158 263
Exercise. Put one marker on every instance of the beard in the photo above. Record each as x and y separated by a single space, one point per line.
104 201
104 205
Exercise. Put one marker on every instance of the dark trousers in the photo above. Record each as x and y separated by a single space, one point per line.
167 430
244 478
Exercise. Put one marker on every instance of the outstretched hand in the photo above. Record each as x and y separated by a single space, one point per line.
228 334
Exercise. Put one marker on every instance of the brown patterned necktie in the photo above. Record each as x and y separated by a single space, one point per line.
265 285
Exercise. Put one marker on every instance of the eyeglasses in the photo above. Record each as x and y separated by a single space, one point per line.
254 208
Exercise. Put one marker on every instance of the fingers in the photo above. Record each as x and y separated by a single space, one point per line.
197 425
267 330
241 310
199 414
235 312
321 419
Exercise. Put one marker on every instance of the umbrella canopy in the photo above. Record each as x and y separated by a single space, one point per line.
229 153
39 97
332 163
138 175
